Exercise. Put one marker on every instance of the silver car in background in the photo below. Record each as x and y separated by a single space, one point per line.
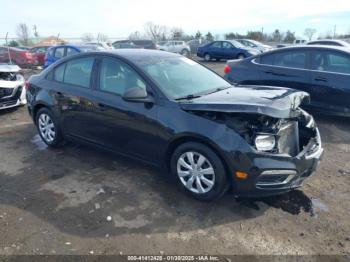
255 45
180 47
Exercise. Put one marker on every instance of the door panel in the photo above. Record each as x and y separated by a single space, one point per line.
127 127
285 69
330 80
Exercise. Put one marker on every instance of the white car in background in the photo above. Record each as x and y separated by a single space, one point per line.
12 87
101 45
180 47
255 45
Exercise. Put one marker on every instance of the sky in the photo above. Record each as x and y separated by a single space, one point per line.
119 18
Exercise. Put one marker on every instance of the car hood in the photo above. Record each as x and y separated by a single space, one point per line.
276 102
6 68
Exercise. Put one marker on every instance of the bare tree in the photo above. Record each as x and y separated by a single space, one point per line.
156 32
87 37
23 33
309 32
135 35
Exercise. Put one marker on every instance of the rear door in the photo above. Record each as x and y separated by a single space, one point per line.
215 49
330 80
285 68
228 51
71 89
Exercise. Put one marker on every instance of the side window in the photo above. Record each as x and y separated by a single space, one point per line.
58 73
330 61
226 45
59 52
71 51
116 77
291 59
51 52
78 72
216 45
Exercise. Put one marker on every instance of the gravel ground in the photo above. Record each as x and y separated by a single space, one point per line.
79 200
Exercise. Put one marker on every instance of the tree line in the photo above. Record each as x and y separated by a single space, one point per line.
156 32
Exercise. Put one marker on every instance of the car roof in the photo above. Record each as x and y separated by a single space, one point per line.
140 53
325 47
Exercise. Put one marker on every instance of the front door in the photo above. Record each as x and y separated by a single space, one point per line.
330 80
126 127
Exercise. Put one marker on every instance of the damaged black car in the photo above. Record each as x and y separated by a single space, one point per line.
172 112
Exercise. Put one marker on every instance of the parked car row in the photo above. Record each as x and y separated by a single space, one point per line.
320 70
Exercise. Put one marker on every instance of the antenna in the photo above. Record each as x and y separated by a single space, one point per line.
8 48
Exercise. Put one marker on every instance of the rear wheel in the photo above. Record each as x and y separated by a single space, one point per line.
207 57
48 127
199 171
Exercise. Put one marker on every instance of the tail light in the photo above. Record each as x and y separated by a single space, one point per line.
28 55
26 85
227 69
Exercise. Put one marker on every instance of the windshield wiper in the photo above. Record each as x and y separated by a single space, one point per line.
217 90
188 97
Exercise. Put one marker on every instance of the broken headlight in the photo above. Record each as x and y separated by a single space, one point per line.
265 142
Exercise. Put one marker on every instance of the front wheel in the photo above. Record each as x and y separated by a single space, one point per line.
48 127
207 57
185 52
199 171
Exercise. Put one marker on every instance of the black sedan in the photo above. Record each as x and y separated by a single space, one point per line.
322 71
172 112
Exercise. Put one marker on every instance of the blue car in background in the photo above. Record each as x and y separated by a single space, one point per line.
57 52
227 49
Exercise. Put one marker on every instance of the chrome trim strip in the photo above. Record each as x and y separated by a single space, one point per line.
302 69
291 173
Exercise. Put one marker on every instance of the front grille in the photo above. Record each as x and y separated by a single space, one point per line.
4 92
288 138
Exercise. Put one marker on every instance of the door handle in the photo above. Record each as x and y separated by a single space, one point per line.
321 79
102 107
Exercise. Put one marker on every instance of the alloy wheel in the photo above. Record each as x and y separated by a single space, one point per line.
195 172
46 128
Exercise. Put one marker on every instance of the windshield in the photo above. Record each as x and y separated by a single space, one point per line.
255 42
237 44
180 77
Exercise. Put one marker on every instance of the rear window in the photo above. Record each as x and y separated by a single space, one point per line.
58 73
296 59
59 52
78 72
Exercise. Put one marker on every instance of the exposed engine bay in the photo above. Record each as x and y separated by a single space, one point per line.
291 135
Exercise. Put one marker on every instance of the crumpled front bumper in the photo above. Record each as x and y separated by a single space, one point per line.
272 175
16 98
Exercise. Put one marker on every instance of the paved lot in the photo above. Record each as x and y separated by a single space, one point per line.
57 202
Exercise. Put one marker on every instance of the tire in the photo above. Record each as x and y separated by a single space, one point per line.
182 173
185 52
207 57
240 56
46 121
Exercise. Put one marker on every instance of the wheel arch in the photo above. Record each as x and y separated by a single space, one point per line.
176 142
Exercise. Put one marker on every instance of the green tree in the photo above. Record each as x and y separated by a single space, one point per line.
290 37
209 37
13 43
198 35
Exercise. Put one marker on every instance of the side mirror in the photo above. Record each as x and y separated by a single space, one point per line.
137 94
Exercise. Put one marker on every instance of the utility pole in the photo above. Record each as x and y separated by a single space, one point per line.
335 28
8 48
262 34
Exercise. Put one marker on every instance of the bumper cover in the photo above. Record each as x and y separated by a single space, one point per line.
271 175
